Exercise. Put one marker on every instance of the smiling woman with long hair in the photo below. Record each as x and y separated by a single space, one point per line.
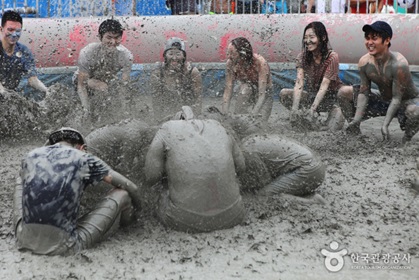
318 79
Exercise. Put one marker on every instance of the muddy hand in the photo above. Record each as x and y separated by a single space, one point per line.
385 133
295 116
353 128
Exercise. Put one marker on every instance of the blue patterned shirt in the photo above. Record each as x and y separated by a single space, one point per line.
12 68
54 179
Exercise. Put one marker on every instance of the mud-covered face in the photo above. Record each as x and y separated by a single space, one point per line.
232 53
311 41
11 32
375 43
175 58
111 39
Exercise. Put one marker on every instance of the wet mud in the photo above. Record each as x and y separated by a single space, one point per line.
371 209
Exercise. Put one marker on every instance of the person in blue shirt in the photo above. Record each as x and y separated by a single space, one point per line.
47 197
16 60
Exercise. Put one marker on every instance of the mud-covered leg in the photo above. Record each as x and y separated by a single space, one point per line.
17 204
114 210
335 120
345 98
412 122
286 97
299 182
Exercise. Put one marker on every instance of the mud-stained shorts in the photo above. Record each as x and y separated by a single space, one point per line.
92 228
183 220
378 107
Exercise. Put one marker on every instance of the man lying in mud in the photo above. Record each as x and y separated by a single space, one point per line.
47 197
279 165
274 164
196 161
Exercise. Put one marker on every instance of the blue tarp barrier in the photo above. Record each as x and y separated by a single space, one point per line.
213 81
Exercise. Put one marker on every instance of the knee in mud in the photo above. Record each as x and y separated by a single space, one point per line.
122 198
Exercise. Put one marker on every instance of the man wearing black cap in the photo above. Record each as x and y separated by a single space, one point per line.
397 95
175 83
48 192
98 65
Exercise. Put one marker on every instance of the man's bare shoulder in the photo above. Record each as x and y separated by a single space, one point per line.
366 58
259 59
229 63
400 59
90 48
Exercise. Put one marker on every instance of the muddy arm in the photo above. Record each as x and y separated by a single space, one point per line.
37 84
197 89
228 91
154 162
119 181
238 157
298 89
320 94
17 202
82 90
262 85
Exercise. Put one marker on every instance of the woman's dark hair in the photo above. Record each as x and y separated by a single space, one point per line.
110 25
324 45
244 48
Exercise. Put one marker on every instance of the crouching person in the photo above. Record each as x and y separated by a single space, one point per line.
196 162
48 193
280 165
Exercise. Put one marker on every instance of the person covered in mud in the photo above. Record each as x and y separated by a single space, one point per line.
317 82
16 60
123 146
196 161
175 83
279 165
98 67
275 164
47 197
251 70
397 95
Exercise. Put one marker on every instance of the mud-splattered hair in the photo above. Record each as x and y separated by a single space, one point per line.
110 25
10 16
244 48
324 44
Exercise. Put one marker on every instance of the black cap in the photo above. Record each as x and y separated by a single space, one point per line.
380 27
66 133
